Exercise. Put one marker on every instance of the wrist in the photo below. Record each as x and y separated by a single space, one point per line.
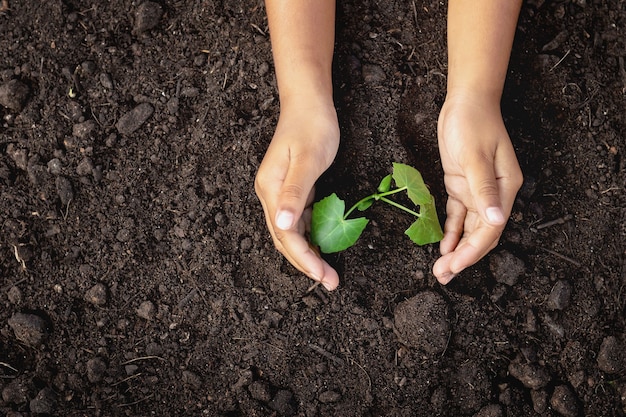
486 97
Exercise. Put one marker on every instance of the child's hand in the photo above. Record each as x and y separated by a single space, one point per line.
482 177
304 145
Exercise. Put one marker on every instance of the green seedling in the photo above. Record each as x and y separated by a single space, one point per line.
333 231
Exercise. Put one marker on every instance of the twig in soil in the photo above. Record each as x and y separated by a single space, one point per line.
369 380
314 286
560 60
6 365
4 6
560 220
19 259
326 354
143 358
126 379
258 29
136 402
558 255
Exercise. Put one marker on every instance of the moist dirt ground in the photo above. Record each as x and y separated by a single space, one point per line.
137 276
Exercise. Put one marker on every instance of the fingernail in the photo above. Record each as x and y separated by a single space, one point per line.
326 285
284 220
494 215
446 277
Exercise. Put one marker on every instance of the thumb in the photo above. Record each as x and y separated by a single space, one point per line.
483 186
295 190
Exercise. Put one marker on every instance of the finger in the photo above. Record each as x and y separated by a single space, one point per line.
295 190
301 255
481 179
473 247
291 243
453 227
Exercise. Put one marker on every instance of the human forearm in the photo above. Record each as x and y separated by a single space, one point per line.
303 36
480 37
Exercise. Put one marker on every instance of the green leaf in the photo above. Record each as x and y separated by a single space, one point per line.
426 229
409 177
329 230
385 184
364 205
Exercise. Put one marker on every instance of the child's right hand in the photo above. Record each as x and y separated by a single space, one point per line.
303 147
482 177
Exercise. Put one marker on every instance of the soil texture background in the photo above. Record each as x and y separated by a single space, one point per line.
137 276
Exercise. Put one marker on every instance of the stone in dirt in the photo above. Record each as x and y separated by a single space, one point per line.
148 16
64 190
96 368
491 410
29 328
422 322
97 295
283 403
133 120
146 310
559 295
44 402
611 358
260 391
14 94
531 375
564 402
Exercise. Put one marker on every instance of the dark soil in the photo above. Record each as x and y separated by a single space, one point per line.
136 273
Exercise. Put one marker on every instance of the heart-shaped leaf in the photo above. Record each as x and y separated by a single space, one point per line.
409 177
426 229
329 230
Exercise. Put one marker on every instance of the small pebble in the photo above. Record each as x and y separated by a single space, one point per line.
131 369
14 95
133 120
146 310
85 167
540 400
560 295
64 190
96 368
490 410
260 391
55 166
192 379
283 403
532 376
329 397
563 401
19 156
44 402
97 295
15 295
106 81
15 392
84 130
147 16
29 328
611 358
506 268
373 74
123 235
89 67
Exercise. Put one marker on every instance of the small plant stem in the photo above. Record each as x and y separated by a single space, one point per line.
378 196
400 206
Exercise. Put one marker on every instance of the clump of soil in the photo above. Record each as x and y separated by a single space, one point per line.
137 275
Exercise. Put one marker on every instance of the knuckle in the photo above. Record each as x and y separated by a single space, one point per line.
292 191
488 188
